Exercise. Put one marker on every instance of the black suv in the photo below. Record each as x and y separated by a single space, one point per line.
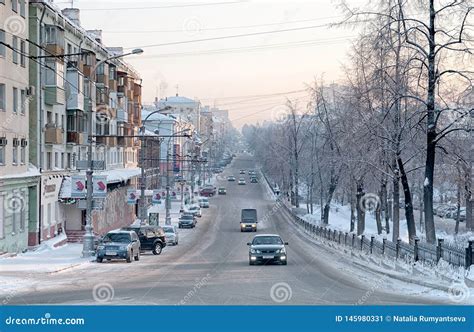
151 238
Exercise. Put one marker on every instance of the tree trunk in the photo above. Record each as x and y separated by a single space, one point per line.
458 208
360 209
396 204
331 190
378 211
408 203
353 208
430 130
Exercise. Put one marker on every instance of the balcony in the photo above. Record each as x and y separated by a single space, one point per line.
75 137
103 79
75 94
112 85
87 71
55 49
125 141
53 135
54 95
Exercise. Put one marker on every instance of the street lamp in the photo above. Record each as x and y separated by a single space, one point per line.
168 184
88 242
143 213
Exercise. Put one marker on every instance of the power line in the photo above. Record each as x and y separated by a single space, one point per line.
254 48
166 6
232 36
223 28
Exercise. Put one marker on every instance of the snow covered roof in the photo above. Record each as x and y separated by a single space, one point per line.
177 100
31 172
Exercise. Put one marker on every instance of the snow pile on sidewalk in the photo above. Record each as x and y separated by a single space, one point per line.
46 258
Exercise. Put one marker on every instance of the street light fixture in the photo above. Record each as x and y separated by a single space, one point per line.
88 242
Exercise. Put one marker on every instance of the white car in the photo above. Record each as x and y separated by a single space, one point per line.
241 181
194 209
171 235
204 202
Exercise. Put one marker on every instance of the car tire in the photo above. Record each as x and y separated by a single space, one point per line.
100 259
129 257
284 263
157 248
137 257
251 263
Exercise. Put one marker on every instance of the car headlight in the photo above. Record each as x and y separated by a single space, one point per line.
100 247
254 225
253 251
123 247
282 251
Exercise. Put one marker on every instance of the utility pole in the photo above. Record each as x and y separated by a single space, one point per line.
88 242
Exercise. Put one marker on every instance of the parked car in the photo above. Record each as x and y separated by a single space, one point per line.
222 191
194 209
171 234
242 181
187 221
203 202
119 244
267 248
152 238
253 180
231 178
454 213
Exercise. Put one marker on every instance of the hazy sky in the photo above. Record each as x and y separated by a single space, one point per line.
224 72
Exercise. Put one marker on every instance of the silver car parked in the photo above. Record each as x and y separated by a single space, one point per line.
171 235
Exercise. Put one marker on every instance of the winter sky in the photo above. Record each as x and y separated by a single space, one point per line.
225 72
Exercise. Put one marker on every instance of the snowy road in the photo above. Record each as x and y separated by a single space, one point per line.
210 266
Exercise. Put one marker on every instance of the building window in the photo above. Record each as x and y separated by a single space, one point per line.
15 100
48 160
22 155
23 102
22 53
68 161
15 5
3 50
56 160
62 159
15 155
3 100
22 8
15 49
2 154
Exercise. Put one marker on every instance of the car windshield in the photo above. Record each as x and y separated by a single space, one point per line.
267 240
168 229
117 237
186 216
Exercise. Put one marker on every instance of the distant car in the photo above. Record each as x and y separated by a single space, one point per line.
203 202
267 248
454 213
171 234
231 178
207 192
152 238
187 221
222 191
194 209
242 181
119 245
242 171
253 180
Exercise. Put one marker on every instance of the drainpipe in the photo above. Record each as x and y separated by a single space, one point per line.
41 124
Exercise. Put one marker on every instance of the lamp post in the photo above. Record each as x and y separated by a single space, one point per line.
88 242
142 213
168 184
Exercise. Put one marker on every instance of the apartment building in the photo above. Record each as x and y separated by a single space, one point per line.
83 92
18 179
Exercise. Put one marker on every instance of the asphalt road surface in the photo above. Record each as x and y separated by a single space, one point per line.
210 266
